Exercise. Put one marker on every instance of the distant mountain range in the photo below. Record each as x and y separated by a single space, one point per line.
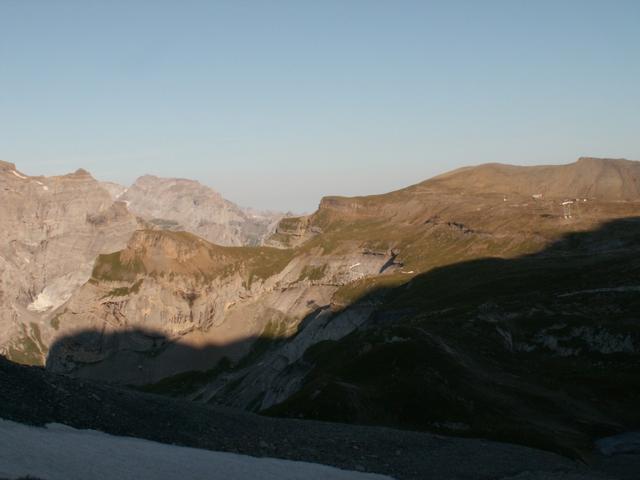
494 301
181 204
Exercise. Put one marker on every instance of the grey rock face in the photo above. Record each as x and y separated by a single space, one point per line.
114 189
51 231
181 204
168 319
143 329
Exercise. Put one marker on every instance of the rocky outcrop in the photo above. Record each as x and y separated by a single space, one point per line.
171 302
281 371
114 189
291 232
51 231
181 204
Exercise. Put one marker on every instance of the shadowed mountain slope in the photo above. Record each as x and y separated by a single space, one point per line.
34 396
541 349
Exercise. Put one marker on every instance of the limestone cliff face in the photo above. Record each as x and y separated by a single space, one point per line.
52 229
115 190
172 302
72 265
181 204
432 227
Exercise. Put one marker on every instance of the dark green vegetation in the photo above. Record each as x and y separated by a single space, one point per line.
122 291
312 272
112 267
55 321
186 382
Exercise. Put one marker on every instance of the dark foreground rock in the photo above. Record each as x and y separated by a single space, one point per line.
33 396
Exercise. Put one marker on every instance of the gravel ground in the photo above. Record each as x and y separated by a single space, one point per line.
33 396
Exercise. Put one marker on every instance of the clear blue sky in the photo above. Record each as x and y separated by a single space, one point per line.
277 103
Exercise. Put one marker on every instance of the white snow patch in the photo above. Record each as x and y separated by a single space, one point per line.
18 175
59 452
43 302
60 289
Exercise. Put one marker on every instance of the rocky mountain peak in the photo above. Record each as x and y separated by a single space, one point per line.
182 204
7 166
81 172
178 185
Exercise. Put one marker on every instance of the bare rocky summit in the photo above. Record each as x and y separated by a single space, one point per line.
115 190
181 204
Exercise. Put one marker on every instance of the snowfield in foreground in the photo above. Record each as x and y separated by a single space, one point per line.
59 452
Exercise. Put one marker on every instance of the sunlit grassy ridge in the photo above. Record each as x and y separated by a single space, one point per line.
312 272
166 253
111 267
